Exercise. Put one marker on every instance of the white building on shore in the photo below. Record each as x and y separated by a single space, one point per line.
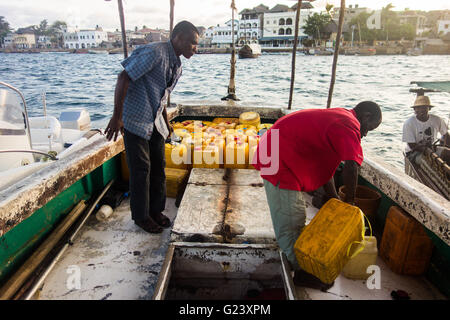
8 40
279 25
443 26
222 37
250 24
24 41
84 39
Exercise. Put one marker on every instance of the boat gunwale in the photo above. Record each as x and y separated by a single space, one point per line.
20 200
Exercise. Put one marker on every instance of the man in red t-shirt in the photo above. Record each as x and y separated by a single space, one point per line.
301 153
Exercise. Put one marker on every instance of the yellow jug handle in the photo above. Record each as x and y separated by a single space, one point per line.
363 236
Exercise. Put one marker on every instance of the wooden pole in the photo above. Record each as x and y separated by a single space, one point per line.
172 6
336 52
21 275
232 86
294 53
122 25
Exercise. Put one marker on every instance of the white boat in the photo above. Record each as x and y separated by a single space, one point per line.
27 144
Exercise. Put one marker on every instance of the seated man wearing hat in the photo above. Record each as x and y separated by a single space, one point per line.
420 131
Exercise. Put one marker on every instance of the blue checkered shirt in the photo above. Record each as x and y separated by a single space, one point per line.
154 70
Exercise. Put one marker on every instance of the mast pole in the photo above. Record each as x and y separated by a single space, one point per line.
336 52
294 52
232 87
172 6
122 25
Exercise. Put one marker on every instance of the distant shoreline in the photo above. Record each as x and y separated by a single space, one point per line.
374 50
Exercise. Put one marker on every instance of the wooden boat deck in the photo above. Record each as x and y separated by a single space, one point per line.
117 260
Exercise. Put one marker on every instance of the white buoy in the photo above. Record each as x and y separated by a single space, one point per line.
104 212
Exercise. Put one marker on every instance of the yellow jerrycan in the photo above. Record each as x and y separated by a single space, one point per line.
323 247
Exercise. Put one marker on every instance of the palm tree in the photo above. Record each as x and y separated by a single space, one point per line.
328 7
387 16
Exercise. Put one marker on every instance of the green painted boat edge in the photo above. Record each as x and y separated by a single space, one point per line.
18 243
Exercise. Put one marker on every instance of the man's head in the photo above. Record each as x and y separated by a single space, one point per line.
422 106
369 116
184 39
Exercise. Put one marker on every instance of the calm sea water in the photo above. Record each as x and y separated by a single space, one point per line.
88 80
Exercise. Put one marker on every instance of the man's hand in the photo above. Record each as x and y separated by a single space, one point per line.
115 126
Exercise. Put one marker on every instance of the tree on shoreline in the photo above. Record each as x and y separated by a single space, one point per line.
4 28
315 24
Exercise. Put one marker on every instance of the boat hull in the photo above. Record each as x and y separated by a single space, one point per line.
31 208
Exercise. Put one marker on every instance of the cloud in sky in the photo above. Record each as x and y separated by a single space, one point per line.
89 13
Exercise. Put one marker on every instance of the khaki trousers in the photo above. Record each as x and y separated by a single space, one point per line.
288 212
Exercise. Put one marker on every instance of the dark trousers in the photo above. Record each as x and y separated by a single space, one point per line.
146 162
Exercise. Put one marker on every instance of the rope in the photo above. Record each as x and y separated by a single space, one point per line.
232 87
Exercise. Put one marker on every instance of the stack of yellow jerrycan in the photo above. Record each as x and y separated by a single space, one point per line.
323 248
221 143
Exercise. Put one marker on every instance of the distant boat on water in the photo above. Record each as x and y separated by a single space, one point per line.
252 50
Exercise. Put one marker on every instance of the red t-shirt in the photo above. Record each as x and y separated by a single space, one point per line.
311 145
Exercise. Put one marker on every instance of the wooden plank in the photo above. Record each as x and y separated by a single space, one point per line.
202 176
200 213
248 215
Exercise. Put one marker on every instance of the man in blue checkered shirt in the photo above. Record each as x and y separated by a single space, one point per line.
149 75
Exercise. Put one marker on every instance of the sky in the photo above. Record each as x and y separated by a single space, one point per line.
155 13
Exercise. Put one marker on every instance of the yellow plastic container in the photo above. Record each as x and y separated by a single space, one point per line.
356 267
236 155
252 141
251 153
264 126
175 179
245 127
250 118
177 156
226 125
230 120
181 132
177 125
210 156
323 247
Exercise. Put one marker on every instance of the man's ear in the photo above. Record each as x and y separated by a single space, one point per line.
366 116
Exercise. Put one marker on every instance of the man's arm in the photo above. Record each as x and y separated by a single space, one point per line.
420 146
350 175
330 189
115 125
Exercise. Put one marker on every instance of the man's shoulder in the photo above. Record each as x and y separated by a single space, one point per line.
434 117
410 120
155 48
